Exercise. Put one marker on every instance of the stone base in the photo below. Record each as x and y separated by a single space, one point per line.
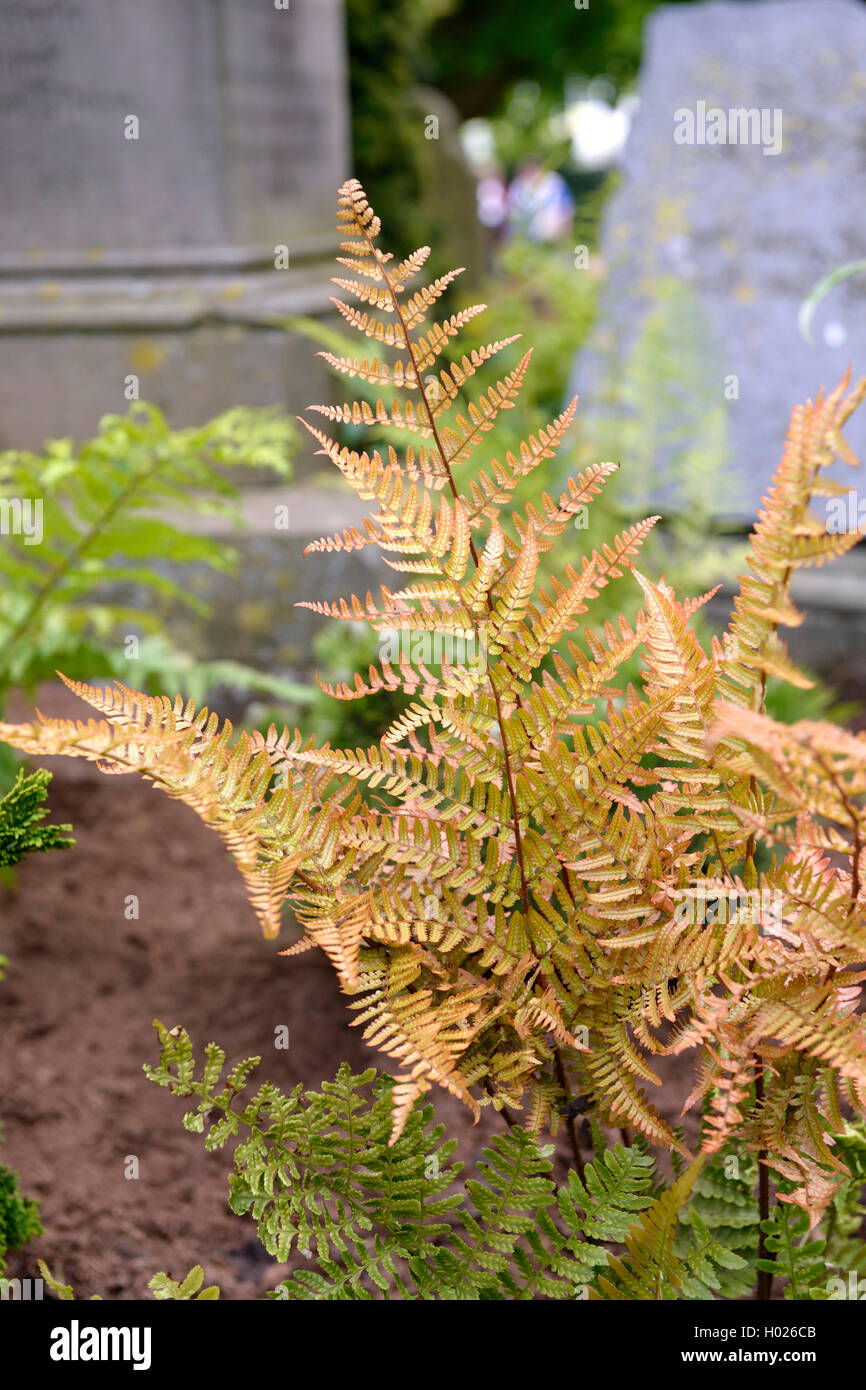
198 339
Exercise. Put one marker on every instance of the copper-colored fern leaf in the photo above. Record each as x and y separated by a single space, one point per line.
787 537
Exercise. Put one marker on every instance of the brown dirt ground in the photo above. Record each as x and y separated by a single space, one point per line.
76 1009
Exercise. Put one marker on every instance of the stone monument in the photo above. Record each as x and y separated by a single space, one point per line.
168 176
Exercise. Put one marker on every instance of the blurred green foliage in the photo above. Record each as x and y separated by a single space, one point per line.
114 513
660 409
105 521
388 58
535 291
529 123
481 51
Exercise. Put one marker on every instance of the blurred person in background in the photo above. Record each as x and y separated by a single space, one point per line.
540 205
492 196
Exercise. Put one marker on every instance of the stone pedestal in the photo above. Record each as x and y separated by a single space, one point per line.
169 176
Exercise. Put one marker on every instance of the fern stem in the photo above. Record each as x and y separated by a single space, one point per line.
781 591
570 1123
764 1285
854 813
508 1116
506 756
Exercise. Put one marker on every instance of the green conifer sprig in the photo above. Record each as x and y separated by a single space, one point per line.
21 816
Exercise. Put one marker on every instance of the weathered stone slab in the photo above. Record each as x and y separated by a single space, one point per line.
286 118
168 176
70 76
744 180
132 126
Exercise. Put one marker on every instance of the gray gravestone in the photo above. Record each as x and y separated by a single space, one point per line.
153 160
744 183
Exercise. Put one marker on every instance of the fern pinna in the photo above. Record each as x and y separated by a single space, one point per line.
565 879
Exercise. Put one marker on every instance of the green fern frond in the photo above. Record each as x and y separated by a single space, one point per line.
106 499
184 1290
650 1270
797 1260
718 1239
319 1169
